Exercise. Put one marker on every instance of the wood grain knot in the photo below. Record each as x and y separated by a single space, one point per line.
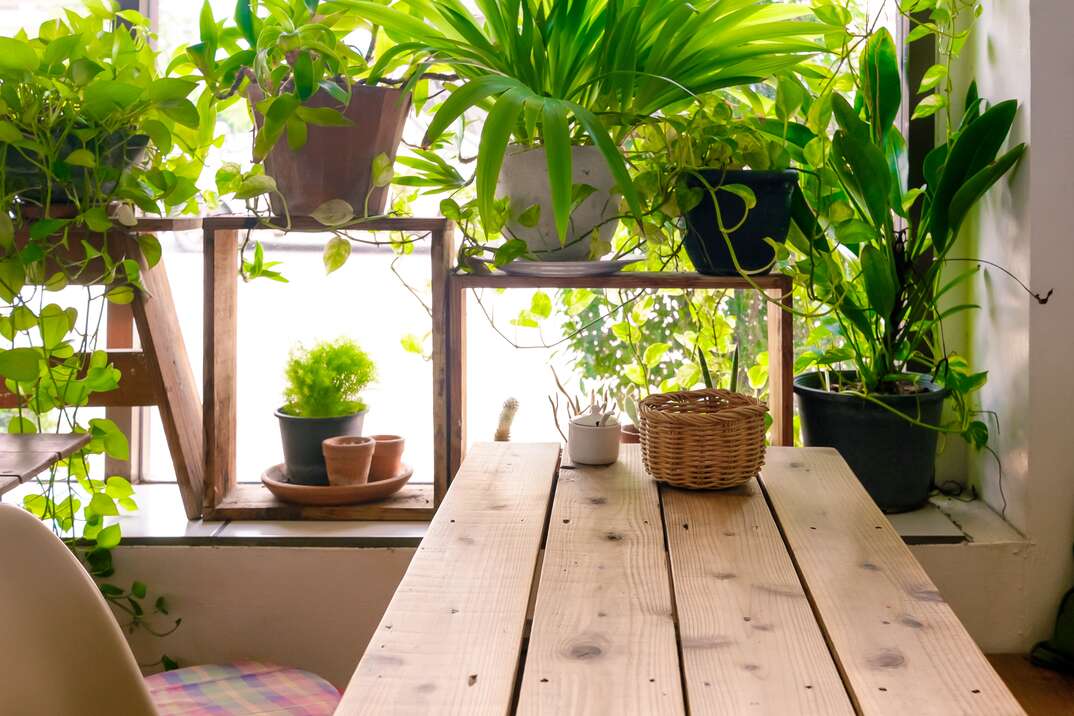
926 595
714 642
613 536
723 576
471 679
598 500
887 659
909 621
751 667
426 688
585 651
869 567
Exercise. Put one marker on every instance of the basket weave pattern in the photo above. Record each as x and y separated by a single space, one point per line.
702 439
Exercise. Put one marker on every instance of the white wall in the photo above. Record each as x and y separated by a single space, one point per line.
308 607
1023 49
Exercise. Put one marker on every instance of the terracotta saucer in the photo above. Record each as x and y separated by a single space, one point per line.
275 479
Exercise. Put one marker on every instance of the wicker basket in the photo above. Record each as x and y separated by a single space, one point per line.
702 439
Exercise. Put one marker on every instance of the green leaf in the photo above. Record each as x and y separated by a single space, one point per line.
208 30
469 95
12 279
383 170
743 192
929 106
21 426
336 253
138 589
932 78
530 217
255 185
96 219
866 171
977 185
113 439
493 144
54 324
20 364
509 251
109 537
121 295
879 278
244 18
159 134
305 82
541 305
9 132
654 353
103 505
7 232
323 116
150 248
17 55
44 228
81 158
334 212
854 231
881 84
182 111
557 145
170 89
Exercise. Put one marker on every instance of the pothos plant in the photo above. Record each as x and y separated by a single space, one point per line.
90 132
286 57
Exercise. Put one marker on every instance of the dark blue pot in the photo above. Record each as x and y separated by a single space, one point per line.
771 218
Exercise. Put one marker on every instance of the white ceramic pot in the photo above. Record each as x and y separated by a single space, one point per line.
524 178
589 445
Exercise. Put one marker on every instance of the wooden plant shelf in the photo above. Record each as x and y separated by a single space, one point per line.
159 373
224 497
449 330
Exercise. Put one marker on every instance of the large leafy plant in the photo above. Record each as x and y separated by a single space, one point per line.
875 250
282 54
586 71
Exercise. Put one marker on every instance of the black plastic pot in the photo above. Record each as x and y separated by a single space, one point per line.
771 217
894 459
302 438
117 153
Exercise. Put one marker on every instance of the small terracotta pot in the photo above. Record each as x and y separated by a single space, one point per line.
347 458
387 457
629 434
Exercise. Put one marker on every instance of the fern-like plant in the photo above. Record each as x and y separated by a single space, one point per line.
326 380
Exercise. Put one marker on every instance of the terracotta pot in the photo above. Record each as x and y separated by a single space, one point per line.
387 457
336 162
347 458
629 434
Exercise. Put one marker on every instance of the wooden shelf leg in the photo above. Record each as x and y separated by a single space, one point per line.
781 364
449 358
173 379
220 361
133 421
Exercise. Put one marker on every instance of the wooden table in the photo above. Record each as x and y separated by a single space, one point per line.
602 593
24 456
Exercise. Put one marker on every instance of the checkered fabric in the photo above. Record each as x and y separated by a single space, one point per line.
244 688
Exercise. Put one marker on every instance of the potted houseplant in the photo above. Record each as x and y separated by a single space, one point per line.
323 400
727 178
556 76
593 432
874 250
325 130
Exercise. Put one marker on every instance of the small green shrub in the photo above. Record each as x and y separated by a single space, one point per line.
326 380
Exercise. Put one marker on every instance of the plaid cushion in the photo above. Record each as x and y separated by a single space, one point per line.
243 688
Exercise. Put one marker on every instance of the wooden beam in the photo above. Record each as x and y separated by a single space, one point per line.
220 363
441 254
603 636
305 223
624 280
173 382
899 646
253 501
750 642
781 364
136 387
450 640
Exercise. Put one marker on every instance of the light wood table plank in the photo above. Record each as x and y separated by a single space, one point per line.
603 637
750 642
451 638
900 647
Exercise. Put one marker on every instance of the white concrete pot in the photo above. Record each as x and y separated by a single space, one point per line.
589 445
524 178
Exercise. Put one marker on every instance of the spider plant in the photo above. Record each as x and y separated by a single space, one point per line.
563 72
